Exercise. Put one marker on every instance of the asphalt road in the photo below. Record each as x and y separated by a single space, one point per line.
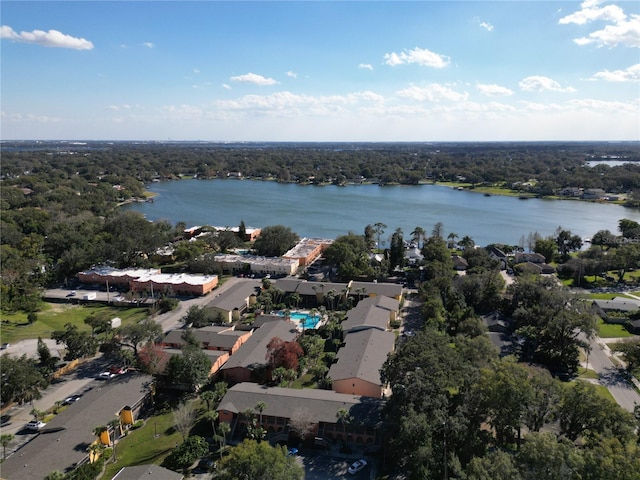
611 376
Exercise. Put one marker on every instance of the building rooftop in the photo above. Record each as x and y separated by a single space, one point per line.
254 351
148 472
363 355
323 405
237 295
65 440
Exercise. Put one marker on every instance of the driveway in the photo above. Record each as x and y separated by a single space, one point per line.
322 467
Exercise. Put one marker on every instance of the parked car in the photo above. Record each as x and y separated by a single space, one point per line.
35 425
357 466
106 375
205 465
292 452
118 370
5 346
71 399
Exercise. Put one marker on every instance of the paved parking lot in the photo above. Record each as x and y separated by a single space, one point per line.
322 467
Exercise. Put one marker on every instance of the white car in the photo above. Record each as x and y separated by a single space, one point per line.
357 466
35 426
106 375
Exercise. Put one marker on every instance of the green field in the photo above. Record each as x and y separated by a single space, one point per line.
54 316
610 330
142 446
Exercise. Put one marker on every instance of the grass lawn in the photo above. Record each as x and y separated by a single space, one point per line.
141 446
610 330
588 374
54 316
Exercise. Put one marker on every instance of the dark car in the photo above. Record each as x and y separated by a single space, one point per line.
205 465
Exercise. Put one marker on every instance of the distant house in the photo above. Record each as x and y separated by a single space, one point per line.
259 265
616 310
535 268
459 263
371 312
499 255
593 194
285 407
532 257
252 355
570 192
413 255
374 289
358 363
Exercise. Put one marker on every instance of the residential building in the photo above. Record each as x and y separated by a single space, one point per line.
358 363
258 265
149 471
371 312
235 300
63 443
225 339
307 250
249 362
320 409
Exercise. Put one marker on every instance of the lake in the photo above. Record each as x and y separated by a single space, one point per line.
331 211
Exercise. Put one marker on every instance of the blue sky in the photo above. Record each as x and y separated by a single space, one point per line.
320 71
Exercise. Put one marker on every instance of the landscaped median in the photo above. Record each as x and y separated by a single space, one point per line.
150 443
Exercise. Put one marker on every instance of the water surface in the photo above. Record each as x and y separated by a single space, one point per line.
330 211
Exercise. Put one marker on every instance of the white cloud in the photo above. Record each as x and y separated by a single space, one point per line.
486 26
365 66
622 33
226 86
591 12
421 56
196 70
539 83
52 38
622 30
631 74
493 90
292 74
432 93
149 45
253 78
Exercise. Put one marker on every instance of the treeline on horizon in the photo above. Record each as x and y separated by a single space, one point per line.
553 165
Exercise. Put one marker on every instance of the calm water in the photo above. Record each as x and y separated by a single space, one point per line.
331 211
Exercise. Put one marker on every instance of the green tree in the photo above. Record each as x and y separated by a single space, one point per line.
417 235
545 456
259 461
396 251
630 350
547 247
133 335
78 344
349 253
629 228
190 369
275 241
21 379
378 230
186 453
5 440
582 412
495 465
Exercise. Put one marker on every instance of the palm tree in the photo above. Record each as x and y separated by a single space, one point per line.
260 407
208 397
417 235
99 432
212 416
452 239
37 414
467 242
5 439
224 428
95 450
378 229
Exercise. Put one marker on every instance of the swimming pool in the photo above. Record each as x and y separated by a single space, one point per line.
303 319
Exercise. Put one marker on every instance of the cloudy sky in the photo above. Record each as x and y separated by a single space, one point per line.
321 71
